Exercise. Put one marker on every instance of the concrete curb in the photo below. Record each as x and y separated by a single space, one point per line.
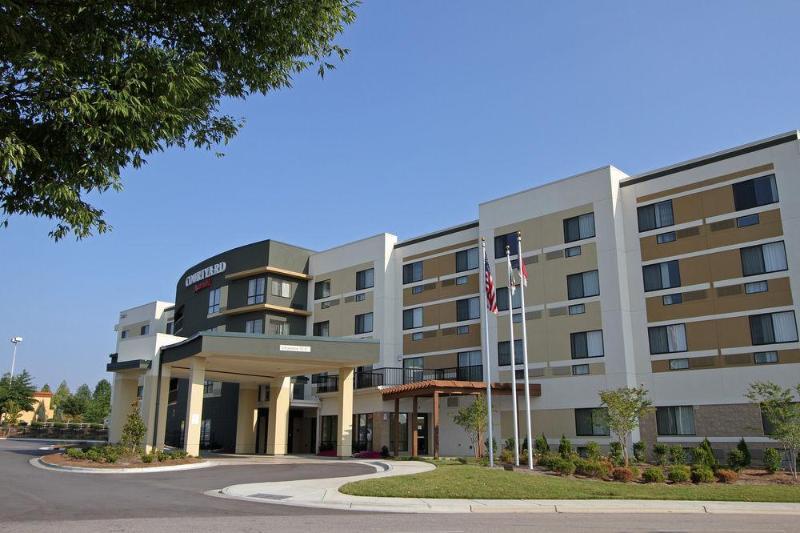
39 462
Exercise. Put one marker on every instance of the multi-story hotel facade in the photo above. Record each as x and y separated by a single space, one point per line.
680 279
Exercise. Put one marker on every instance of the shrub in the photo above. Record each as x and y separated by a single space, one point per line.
704 455
727 476
178 454
110 454
523 457
653 474
36 425
565 467
679 473
660 452
677 455
540 445
635 470
565 447
548 459
736 459
772 460
623 474
640 451
615 453
75 453
148 457
592 468
93 454
508 444
507 456
746 456
133 431
162 455
702 474
592 450
486 447
22 423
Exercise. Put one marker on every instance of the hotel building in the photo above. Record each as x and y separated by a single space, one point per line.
680 279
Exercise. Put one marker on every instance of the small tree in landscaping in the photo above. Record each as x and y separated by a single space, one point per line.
473 419
133 431
11 412
540 444
565 447
677 456
640 451
660 452
623 409
783 413
746 457
704 455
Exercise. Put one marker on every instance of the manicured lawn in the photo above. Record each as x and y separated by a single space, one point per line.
467 481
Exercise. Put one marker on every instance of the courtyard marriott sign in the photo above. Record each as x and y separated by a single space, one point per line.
207 272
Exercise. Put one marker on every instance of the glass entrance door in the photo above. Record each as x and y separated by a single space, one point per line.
422 434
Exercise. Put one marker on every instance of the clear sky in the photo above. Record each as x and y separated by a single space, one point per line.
440 106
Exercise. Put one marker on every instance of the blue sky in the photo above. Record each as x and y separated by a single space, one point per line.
459 100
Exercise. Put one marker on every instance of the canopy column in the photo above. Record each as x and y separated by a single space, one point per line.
123 400
414 427
280 394
246 419
194 406
344 438
435 424
163 402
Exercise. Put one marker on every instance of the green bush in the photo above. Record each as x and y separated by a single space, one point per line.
162 455
615 453
93 454
36 425
22 423
178 454
702 474
640 451
620 473
704 455
736 459
592 468
653 474
565 467
509 444
565 447
507 456
746 456
660 452
679 473
548 459
592 450
727 476
677 455
540 445
523 457
772 460
148 457
75 453
110 454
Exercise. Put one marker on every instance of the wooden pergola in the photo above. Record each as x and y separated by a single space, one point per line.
436 389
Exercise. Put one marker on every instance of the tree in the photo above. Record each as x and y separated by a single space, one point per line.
46 388
623 409
61 394
16 393
779 407
84 394
89 88
11 412
134 430
73 408
473 418
100 405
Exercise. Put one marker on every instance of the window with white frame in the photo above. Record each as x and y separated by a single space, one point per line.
583 285
278 327
586 344
764 258
255 291
678 364
667 339
579 228
773 328
281 288
213 300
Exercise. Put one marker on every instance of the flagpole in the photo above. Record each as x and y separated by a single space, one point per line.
513 356
488 360
525 354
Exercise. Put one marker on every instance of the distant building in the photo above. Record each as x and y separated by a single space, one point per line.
41 412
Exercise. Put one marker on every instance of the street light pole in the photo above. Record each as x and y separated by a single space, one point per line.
14 341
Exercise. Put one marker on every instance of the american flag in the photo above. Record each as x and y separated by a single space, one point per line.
491 297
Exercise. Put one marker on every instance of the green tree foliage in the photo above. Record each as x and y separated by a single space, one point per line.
133 431
782 411
89 88
473 418
16 393
46 388
100 404
73 408
747 457
623 409
61 394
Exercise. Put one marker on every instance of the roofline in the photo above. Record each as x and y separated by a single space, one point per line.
383 234
736 151
237 334
437 234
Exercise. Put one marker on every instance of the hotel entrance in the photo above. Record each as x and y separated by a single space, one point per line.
422 434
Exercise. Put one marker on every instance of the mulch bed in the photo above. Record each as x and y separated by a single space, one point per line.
124 462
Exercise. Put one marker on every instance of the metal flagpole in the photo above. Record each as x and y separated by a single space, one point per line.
513 355
488 360
525 353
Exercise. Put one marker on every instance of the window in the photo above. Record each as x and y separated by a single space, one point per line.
363 323
212 388
277 327
470 358
572 251
586 344
255 291
773 328
412 318
462 330
467 260
170 327
655 216
747 220
213 301
417 289
124 334
663 238
413 362
504 353
254 326
591 422
360 297
418 336
583 285
468 309
763 258
328 304
322 289
365 279
502 299
328 432
412 272
661 276
578 228
281 288
667 339
755 287
755 192
577 309
677 420
501 241
205 433
678 364
462 280
322 329
580 370
362 432
144 330
765 358
517 318
671 299
403 431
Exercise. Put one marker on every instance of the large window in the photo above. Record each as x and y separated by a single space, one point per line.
255 291
655 216
763 258
501 241
504 353
468 309
467 260
755 192
773 328
667 339
578 228
583 285
675 420
502 299
322 289
412 272
328 430
469 366
278 327
281 288
586 344
322 329
254 326
213 301
661 276
412 318
365 279
591 422
363 323
362 432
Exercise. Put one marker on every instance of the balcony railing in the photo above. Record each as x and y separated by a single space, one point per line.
389 376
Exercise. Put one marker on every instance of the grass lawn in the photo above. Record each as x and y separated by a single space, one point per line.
468 481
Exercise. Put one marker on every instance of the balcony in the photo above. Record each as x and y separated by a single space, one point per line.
389 376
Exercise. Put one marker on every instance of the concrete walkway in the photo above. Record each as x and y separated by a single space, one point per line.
324 494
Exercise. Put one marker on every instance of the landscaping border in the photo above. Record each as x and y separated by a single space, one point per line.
39 462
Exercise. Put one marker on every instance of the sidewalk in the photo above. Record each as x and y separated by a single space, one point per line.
324 494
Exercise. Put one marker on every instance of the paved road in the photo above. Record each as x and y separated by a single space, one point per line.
37 500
